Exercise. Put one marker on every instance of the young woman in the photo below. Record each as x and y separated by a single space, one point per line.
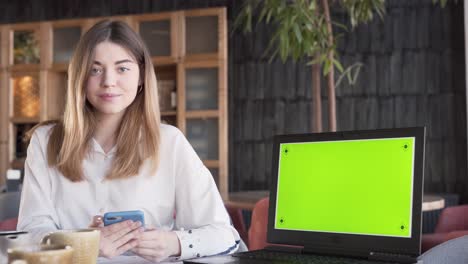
111 153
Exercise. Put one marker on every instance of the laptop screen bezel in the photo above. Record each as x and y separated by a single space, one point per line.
351 243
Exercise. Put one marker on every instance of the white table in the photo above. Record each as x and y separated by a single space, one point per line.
246 200
432 202
127 260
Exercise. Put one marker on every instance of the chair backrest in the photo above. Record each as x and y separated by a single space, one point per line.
9 205
259 225
8 224
450 252
238 221
452 219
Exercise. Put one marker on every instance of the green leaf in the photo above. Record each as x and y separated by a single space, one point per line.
297 32
338 65
326 67
312 5
348 73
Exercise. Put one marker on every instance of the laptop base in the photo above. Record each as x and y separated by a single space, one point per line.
267 256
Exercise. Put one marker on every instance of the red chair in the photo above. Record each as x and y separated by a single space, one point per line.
238 221
259 225
452 223
8 224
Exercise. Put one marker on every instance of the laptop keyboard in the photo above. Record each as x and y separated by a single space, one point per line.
283 257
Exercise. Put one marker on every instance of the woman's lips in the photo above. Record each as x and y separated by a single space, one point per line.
109 97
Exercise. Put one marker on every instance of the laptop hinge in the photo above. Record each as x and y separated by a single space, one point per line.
398 258
286 249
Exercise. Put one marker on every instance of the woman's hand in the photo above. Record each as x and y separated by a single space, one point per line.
117 238
157 245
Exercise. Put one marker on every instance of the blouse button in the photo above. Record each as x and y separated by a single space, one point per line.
190 246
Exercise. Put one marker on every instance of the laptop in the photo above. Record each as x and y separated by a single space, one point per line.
343 197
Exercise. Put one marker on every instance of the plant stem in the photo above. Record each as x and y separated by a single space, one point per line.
316 99
331 74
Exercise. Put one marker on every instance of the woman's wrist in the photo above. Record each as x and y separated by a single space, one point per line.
175 252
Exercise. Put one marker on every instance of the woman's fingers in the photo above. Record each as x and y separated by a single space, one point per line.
114 228
119 237
128 236
151 235
96 221
119 230
127 246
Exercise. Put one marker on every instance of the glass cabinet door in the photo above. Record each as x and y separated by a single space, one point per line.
169 120
201 34
65 40
26 99
167 90
21 146
203 136
157 36
167 95
201 88
25 47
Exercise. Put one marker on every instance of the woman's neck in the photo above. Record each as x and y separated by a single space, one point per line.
106 128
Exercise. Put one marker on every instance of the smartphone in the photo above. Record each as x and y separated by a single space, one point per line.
12 232
117 217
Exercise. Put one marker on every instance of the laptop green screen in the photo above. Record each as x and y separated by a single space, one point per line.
361 187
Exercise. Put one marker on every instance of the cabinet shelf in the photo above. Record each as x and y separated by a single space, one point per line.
211 163
201 57
60 67
25 67
202 114
168 113
164 61
24 120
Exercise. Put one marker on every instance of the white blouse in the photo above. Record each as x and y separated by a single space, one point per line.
180 196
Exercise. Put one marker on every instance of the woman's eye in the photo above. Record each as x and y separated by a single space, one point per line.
96 71
123 69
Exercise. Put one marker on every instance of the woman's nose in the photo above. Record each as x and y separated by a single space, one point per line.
109 79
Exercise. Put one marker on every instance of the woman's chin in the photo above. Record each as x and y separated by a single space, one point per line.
110 111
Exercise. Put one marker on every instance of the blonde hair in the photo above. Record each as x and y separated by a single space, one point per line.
138 137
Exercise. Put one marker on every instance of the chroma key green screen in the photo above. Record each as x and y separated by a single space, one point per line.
350 186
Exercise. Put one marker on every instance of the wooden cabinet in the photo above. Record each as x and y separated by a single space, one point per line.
161 34
189 53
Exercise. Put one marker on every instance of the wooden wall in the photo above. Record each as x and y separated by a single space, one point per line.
413 76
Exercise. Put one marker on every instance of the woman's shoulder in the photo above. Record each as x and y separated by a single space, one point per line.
42 131
171 138
169 131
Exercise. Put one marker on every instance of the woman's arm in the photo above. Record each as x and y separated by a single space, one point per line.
203 224
37 213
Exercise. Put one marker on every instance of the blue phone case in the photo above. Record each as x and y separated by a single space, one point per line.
116 217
